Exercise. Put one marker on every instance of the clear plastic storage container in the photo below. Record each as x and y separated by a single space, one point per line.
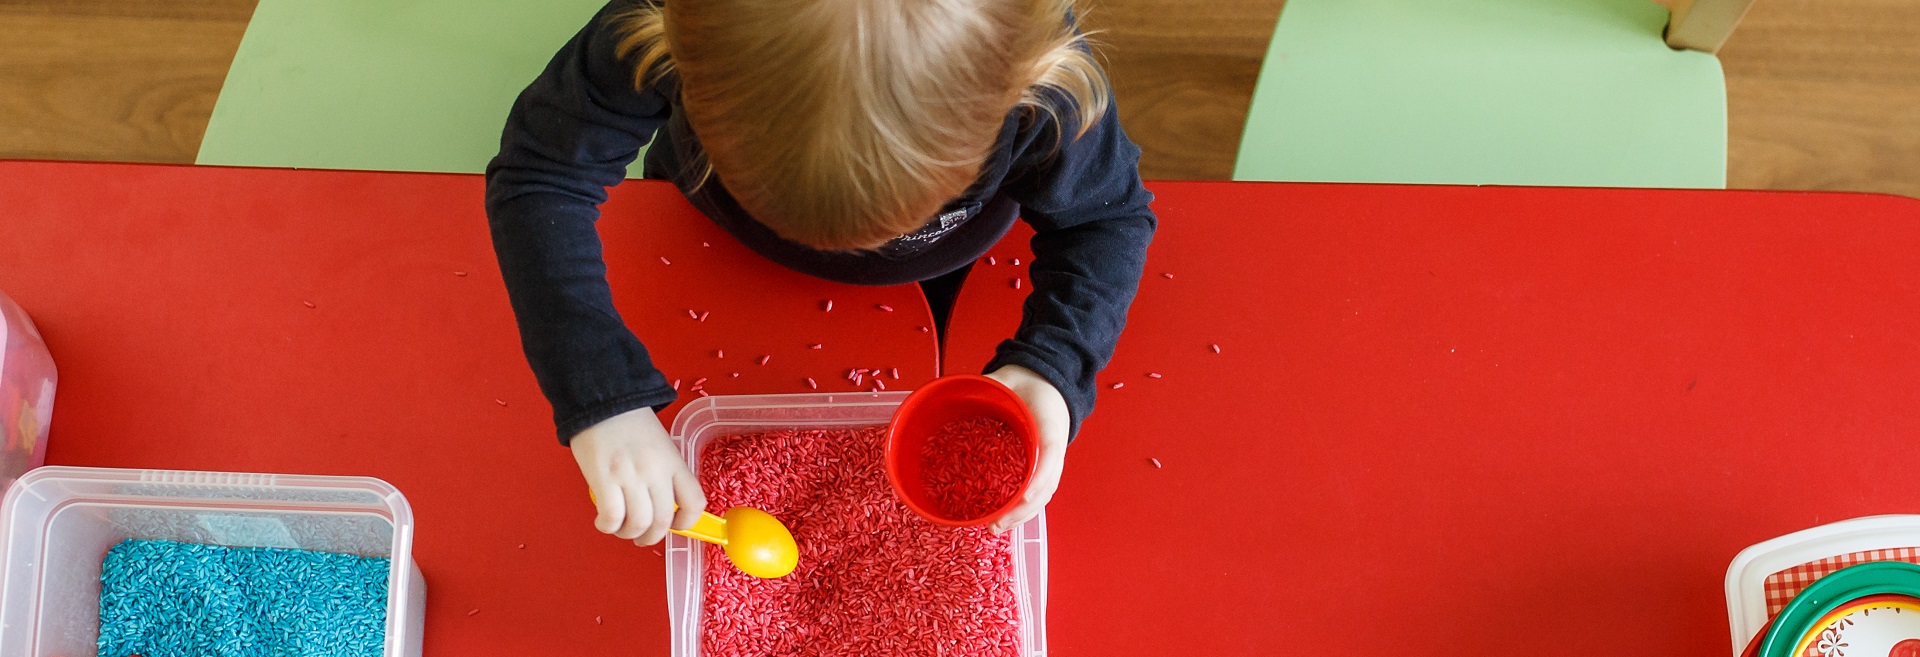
1802 557
57 523
707 418
26 393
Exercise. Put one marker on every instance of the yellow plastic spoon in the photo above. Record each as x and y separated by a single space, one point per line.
754 540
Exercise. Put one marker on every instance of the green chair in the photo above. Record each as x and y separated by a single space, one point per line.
1513 92
419 85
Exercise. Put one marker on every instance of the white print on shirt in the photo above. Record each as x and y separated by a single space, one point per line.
946 223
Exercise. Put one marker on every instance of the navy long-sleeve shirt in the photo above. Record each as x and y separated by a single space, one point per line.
574 130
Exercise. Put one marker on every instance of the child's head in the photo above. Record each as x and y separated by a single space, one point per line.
842 124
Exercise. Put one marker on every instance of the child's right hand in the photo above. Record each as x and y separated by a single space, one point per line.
637 477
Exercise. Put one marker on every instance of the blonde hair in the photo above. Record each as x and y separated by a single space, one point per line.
842 124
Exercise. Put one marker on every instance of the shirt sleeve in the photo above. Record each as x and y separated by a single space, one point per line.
569 136
1092 226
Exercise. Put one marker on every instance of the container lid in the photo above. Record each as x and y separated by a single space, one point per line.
1836 615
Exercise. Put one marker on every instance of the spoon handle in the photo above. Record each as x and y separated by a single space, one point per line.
710 528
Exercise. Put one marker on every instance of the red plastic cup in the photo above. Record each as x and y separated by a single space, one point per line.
933 406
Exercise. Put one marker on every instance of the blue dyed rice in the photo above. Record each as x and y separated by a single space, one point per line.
168 599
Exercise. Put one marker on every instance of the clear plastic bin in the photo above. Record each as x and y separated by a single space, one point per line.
57 524
1896 537
707 418
26 393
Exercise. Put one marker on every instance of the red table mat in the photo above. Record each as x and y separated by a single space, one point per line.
176 303
1473 421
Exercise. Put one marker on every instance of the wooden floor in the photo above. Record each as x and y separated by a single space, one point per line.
130 81
1825 94
1822 94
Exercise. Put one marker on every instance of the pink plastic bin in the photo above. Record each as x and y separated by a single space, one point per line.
26 394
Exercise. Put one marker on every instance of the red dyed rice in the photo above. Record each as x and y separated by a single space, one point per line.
972 466
874 578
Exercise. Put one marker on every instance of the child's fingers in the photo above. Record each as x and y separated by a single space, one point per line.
610 505
661 493
639 510
1046 479
692 501
1019 514
1032 501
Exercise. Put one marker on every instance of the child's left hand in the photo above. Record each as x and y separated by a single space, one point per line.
1050 414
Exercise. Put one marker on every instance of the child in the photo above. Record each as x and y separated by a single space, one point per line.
872 142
